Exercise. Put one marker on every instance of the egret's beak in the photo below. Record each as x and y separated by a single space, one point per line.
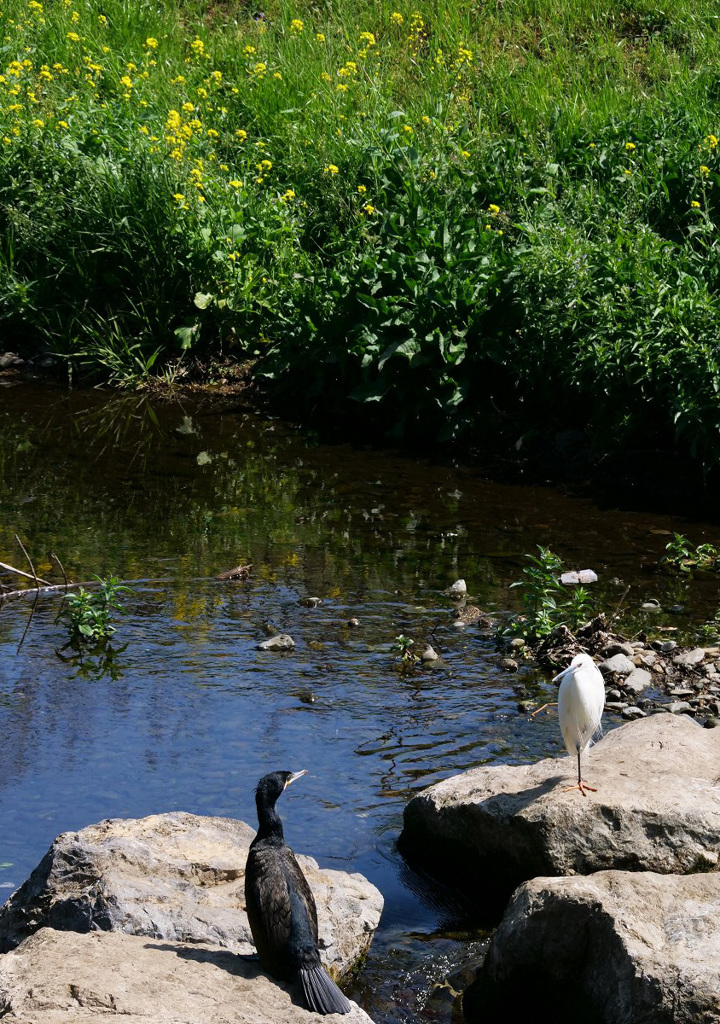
561 675
295 777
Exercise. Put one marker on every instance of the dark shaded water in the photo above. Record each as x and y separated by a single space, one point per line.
185 713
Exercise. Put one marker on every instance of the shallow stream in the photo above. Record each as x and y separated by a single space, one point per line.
184 713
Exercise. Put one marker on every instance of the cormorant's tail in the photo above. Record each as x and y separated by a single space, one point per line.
321 993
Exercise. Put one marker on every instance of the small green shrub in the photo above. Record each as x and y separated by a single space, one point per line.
87 613
682 556
547 602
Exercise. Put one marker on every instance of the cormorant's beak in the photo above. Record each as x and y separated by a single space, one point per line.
295 777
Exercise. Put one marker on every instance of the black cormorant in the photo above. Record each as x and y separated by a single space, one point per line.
281 908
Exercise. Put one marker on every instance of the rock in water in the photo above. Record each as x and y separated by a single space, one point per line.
67 977
657 807
627 946
177 877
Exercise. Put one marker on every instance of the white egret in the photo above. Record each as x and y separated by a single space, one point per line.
581 700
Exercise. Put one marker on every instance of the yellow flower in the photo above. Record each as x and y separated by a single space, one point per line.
41 124
235 183
296 25
369 208
198 47
408 128
331 169
202 93
178 197
362 190
73 37
629 145
368 38
397 18
464 152
320 37
223 167
188 108
425 119
151 42
126 81
288 196
695 204
494 209
265 165
249 50
277 74
712 141
704 170
325 76
212 133
628 172
102 20
63 124
342 87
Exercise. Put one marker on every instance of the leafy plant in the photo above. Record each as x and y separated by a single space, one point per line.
682 556
547 602
408 659
87 613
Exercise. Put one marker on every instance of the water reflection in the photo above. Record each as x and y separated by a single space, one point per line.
183 712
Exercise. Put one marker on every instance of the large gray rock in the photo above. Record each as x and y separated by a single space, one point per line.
69 978
177 877
621 947
657 807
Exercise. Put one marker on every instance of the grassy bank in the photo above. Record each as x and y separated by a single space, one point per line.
462 219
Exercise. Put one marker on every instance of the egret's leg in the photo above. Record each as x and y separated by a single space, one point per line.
582 786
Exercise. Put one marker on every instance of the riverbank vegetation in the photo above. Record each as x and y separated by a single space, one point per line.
453 219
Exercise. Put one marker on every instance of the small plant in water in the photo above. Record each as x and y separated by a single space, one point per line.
408 660
87 613
682 556
546 601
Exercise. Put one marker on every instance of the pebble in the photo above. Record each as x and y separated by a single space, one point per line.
311 602
638 679
669 645
281 642
616 648
353 622
615 705
429 654
647 658
517 644
613 695
508 664
689 658
679 707
681 693
458 589
711 722
619 665
633 712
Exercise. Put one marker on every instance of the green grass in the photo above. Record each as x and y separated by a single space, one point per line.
460 218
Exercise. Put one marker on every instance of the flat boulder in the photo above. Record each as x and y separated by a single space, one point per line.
57 977
616 947
657 808
177 877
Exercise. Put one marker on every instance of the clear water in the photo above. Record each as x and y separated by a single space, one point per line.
183 712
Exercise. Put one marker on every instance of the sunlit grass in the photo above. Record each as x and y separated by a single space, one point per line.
440 210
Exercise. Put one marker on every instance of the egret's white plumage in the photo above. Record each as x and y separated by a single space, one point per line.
581 700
